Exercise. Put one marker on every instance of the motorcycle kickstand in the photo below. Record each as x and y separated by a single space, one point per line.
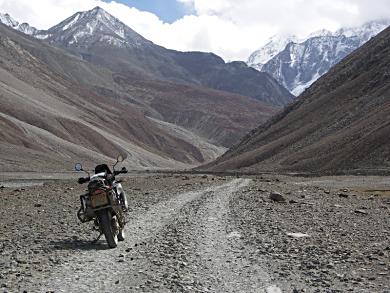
97 239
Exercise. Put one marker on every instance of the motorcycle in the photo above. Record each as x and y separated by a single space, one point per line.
105 203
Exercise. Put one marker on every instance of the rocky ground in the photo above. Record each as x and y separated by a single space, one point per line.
190 233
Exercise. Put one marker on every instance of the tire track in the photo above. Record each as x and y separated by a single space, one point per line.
109 270
223 250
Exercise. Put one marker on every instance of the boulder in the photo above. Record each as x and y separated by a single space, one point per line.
298 235
276 196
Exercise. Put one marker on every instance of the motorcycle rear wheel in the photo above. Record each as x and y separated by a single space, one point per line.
105 221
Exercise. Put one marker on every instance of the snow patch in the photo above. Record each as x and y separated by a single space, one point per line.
72 22
299 88
42 37
274 46
120 32
8 20
113 41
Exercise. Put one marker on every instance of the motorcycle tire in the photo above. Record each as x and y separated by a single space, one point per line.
125 204
122 234
105 221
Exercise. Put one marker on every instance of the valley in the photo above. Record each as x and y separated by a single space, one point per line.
57 109
337 126
234 184
200 233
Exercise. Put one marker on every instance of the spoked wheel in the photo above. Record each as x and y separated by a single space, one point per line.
106 225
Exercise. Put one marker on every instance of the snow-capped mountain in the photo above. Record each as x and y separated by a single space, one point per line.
300 63
102 39
94 27
8 20
98 37
275 45
366 31
23 27
270 50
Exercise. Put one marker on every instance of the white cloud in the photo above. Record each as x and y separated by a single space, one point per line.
229 28
207 6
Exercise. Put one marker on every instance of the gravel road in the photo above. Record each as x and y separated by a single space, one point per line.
211 252
200 234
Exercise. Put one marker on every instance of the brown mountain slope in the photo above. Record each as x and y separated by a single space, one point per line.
216 115
56 109
100 38
45 113
341 124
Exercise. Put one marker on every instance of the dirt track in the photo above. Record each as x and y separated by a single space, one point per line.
200 234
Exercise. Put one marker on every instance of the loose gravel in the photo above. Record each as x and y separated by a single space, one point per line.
201 234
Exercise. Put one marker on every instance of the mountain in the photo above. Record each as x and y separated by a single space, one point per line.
273 47
56 109
98 37
300 63
277 44
22 27
339 125
93 28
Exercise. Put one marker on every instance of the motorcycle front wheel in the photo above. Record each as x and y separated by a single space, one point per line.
122 235
105 221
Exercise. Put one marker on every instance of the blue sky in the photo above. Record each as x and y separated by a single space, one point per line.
166 10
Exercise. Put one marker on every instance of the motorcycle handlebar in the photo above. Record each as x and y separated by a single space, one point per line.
123 171
83 180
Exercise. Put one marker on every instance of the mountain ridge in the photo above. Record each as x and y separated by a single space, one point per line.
22 27
301 62
95 21
100 38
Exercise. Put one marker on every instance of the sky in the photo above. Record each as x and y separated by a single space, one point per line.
232 29
167 10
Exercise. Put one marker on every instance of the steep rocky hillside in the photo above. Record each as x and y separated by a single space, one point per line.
340 124
56 109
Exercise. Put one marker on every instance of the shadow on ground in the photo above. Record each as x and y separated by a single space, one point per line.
78 244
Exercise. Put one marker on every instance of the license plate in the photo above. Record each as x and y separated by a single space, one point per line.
99 199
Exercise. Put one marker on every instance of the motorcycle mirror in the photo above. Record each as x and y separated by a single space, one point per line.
78 167
119 158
